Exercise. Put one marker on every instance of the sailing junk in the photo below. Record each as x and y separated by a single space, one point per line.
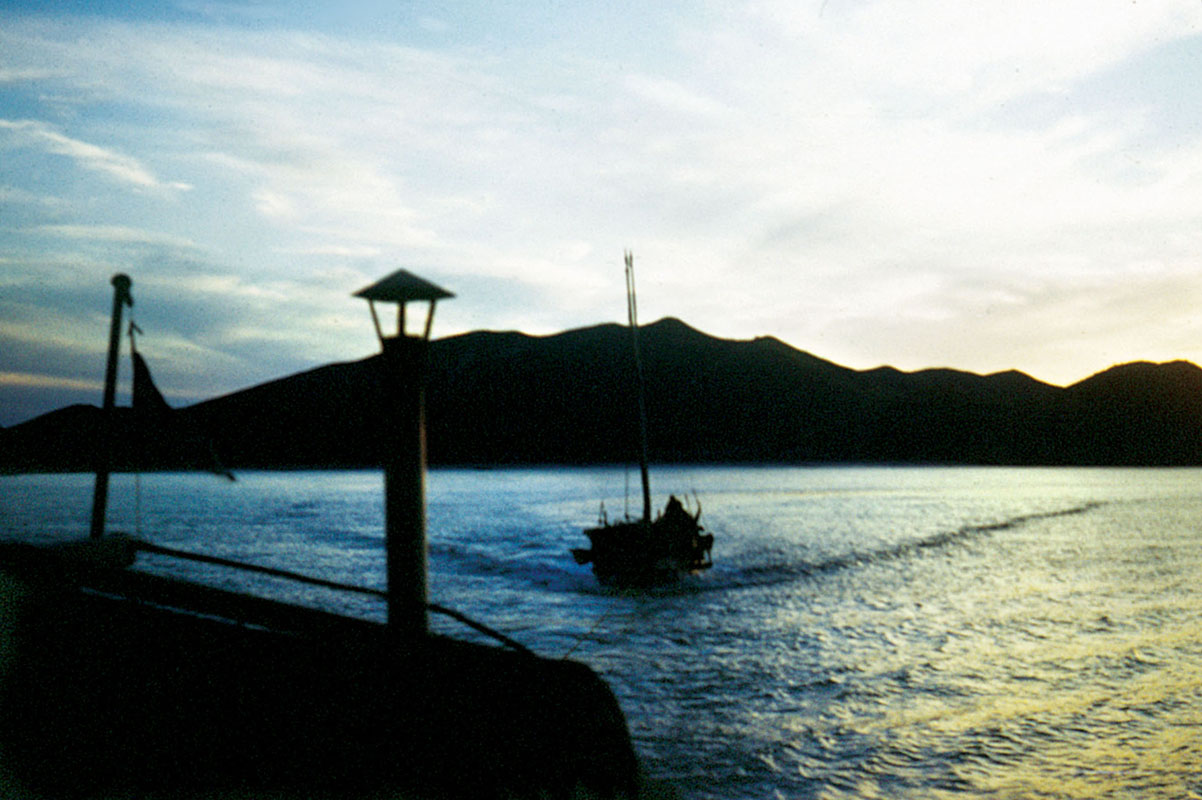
642 552
645 551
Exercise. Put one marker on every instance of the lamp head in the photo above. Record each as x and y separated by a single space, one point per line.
402 287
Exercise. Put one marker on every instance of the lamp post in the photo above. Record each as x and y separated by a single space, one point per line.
404 360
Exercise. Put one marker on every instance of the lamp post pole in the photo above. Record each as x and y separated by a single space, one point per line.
405 361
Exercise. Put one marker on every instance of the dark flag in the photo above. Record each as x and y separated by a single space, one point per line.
190 448
147 399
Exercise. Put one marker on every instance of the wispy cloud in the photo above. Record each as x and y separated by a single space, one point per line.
672 95
113 233
117 166
27 75
15 196
31 380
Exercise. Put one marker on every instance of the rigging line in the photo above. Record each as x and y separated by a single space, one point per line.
626 495
588 634
479 627
133 348
147 547
630 614
137 504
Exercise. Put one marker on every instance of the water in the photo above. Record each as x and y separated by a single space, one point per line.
866 631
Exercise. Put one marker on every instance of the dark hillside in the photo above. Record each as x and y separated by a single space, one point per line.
1135 413
510 398
322 416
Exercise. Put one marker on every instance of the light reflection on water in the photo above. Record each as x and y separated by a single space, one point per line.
894 632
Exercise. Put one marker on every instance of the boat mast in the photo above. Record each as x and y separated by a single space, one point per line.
121 299
632 315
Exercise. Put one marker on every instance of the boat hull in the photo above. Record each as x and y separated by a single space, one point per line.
119 683
637 553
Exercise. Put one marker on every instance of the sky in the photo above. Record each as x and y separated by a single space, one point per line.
982 186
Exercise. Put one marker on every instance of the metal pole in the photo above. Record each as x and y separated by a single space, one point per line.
405 363
121 298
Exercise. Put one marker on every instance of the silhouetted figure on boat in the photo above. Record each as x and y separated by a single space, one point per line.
674 509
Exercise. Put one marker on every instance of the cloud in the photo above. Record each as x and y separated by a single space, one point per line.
27 75
672 95
30 380
122 168
1046 319
15 196
975 56
118 234
854 178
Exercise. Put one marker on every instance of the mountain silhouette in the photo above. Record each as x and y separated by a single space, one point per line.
497 398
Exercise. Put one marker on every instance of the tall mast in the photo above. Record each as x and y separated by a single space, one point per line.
632 315
121 299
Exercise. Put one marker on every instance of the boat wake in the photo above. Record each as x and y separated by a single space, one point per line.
729 575
555 573
547 569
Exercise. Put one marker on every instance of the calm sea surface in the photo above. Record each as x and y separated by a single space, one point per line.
866 631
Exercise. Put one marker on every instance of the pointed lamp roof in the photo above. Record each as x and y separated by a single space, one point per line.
401 287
